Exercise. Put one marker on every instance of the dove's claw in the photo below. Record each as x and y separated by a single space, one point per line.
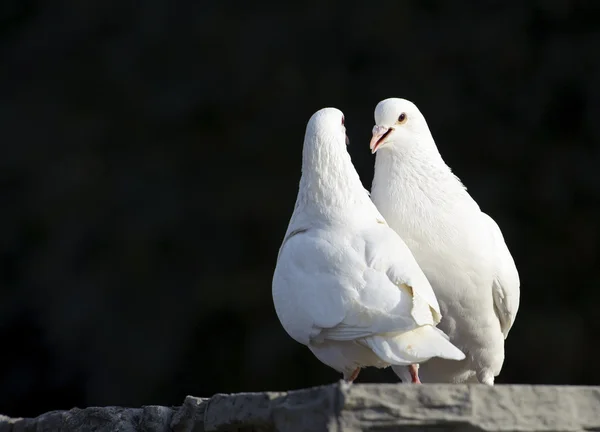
352 377
414 373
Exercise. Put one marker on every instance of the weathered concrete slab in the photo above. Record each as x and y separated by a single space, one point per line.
340 407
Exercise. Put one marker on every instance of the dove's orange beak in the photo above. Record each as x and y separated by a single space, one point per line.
380 133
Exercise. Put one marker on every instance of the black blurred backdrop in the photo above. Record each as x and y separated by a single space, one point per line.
150 161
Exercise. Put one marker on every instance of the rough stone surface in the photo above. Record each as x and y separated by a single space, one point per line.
341 407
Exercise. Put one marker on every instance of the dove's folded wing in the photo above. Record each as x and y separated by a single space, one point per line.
333 294
506 287
388 252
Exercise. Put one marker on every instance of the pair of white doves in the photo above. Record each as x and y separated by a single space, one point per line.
415 273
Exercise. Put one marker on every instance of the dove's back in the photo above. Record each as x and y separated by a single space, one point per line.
356 297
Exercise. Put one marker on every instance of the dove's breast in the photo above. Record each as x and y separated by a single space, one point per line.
445 233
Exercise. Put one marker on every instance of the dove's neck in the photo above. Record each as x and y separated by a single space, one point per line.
415 178
330 186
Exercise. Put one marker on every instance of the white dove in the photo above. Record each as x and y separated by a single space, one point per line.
460 249
345 284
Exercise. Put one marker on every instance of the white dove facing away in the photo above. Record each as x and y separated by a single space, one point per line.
460 249
345 284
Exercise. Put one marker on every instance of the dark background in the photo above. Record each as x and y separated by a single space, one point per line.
150 158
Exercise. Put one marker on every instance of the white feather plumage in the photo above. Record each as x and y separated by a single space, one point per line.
459 248
345 284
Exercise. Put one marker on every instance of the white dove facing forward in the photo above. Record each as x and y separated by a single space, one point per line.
345 284
459 248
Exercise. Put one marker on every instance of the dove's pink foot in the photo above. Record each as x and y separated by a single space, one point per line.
353 376
414 374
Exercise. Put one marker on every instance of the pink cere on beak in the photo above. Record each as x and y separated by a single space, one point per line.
380 133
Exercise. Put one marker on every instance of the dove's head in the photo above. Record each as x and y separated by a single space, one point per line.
326 127
329 181
397 123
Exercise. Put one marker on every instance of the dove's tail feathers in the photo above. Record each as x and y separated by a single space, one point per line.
415 346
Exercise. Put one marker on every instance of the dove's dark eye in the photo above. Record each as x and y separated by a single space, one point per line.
402 118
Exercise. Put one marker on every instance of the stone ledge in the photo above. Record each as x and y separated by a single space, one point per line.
340 407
